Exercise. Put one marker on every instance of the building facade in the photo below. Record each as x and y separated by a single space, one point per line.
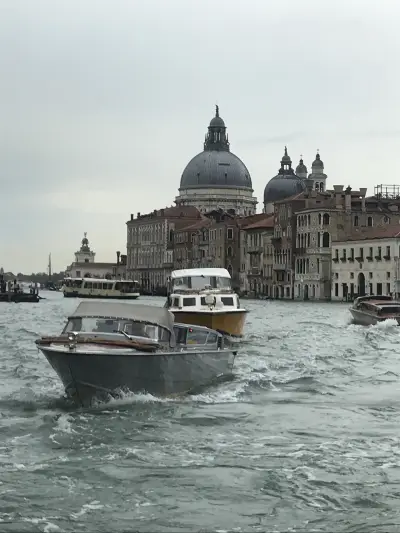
260 257
150 244
367 262
86 266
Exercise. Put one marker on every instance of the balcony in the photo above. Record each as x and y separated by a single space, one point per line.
351 259
360 258
369 258
254 271
255 249
378 257
280 268
300 251
343 259
335 259
276 241
386 257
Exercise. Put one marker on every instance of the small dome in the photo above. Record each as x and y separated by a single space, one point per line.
217 122
286 158
301 168
317 163
282 186
215 169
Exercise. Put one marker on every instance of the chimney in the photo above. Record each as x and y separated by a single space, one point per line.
338 191
363 192
138 215
118 256
347 199
131 216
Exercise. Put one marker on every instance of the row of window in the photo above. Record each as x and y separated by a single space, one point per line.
370 275
343 290
359 255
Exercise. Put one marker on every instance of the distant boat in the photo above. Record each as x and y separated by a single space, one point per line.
116 289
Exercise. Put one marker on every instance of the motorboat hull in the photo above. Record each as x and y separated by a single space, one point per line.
229 323
89 376
18 297
369 319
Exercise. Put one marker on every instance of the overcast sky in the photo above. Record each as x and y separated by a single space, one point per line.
103 103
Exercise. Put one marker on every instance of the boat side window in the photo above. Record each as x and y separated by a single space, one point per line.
180 335
212 338
189 302
74 324
227 300
203 300
176 302
119 286
223 283
197 336
88 285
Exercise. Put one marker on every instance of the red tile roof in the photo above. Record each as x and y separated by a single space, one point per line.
266 222
388 231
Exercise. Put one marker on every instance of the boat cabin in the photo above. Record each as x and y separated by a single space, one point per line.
362 299
100 284
200 279
210 300
145 323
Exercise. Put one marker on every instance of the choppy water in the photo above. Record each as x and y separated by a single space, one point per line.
306 438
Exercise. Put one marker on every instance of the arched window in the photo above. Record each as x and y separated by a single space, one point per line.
326 240
319 218
356 220
370 221
309 219
325 219
229 251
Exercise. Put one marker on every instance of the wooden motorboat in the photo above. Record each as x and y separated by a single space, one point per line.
369 310
204 296
108 347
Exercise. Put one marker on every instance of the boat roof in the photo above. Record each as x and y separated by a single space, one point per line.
105 280
200 272
375 298
160 316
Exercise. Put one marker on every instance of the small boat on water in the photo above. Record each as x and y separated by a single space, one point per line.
109 347
117 289
204 296
369 310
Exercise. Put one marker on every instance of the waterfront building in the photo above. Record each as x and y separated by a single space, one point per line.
150 242
86 266
260 256
216 178
366 262
333 216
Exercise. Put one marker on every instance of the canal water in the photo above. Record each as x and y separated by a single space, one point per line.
306 438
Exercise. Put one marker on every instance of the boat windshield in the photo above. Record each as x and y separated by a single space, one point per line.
127 286
389 310
73 282
201 283
115 325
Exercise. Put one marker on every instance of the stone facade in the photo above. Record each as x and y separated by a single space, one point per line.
150 242
260 256
86 266
367 263
327 217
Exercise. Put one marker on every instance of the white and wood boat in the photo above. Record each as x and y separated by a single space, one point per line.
369 310
121 289
204 296
109 347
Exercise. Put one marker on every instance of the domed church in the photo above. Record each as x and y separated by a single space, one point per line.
289 183
285 184
216 178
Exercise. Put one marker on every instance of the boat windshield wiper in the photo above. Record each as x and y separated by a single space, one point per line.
125 334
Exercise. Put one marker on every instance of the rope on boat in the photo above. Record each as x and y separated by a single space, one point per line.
142 346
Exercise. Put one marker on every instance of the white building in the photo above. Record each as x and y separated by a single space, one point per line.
367 263
85 265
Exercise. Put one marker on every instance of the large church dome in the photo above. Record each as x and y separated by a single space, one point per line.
216 166
285 184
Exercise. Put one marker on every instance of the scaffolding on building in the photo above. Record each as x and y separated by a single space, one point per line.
387 191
